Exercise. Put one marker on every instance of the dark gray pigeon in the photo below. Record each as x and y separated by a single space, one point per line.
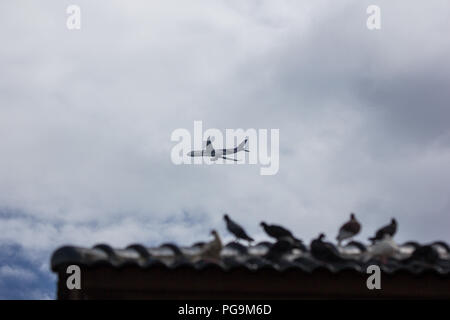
236 229
275 231
324 251
281 233
278 250
390 229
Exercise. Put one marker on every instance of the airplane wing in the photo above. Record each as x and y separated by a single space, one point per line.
209 146
229 159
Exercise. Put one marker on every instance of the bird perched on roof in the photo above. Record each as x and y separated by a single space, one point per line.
236 229
390 229
324 251
384 248
349 229
278 250
213 248
275 231
280 233
427 253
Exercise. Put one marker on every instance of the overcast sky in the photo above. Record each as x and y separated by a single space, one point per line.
86 118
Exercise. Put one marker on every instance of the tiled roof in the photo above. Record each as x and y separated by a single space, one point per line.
410 257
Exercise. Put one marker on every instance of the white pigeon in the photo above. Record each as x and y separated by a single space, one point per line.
383 248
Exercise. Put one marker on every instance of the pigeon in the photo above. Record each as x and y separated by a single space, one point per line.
275 231
278 250
211 250
349 229
385 248
280 233
390 229
324 251
426 253
236 229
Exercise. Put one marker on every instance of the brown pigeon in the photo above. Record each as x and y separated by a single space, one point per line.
212 249
349 229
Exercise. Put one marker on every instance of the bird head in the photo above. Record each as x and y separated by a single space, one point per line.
321 236
225 216
214 232
352 216
263 224
393 221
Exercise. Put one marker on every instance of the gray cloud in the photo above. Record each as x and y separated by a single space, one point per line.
86 118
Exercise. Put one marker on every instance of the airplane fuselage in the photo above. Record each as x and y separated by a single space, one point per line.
217 153
213 153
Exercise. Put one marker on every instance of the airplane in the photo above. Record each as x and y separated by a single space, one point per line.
219 153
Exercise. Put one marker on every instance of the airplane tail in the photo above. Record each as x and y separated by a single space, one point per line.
242 145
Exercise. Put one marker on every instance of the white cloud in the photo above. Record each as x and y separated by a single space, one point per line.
7 271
